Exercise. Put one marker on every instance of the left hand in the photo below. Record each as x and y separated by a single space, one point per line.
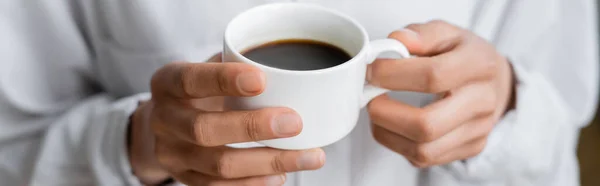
473 80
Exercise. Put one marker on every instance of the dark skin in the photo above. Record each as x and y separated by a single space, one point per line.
181 132
188 128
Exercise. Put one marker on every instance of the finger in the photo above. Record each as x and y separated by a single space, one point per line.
412 151
463 105
239 163
220 128
466 151
431 74
197 179
395 142
431 153
435 120
199 80
167 151
441 151
430 38
439 73
225 162
396 117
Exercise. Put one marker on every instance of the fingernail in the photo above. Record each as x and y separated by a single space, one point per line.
275 180
411 33
311 159
286 125
250 82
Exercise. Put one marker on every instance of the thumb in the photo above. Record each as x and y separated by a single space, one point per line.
430 38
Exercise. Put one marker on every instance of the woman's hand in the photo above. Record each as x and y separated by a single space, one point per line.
474 83
182 130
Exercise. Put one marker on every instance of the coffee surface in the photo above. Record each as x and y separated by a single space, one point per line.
298 55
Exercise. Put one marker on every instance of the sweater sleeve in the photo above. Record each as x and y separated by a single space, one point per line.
87 145
556 70
129 40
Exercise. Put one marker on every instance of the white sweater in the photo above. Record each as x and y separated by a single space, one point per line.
70 70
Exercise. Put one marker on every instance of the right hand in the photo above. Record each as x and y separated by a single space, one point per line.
180 134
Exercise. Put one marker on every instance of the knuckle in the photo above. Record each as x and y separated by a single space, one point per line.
221 80
159 130
201 135
438 22
165 75
488 110
252 126
184 82
448 28
162 158
224 166
478 148
488 126
156 124
277 164
413 26
490 102
490 68
426 130
167 158
487 101
158 120
156 127
422 155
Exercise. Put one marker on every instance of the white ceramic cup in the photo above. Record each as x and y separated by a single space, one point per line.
328 100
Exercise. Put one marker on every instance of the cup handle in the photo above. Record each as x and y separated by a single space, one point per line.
376 48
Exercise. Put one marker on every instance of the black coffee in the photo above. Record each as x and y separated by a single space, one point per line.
298 54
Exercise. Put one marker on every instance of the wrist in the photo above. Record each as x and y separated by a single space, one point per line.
141 147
